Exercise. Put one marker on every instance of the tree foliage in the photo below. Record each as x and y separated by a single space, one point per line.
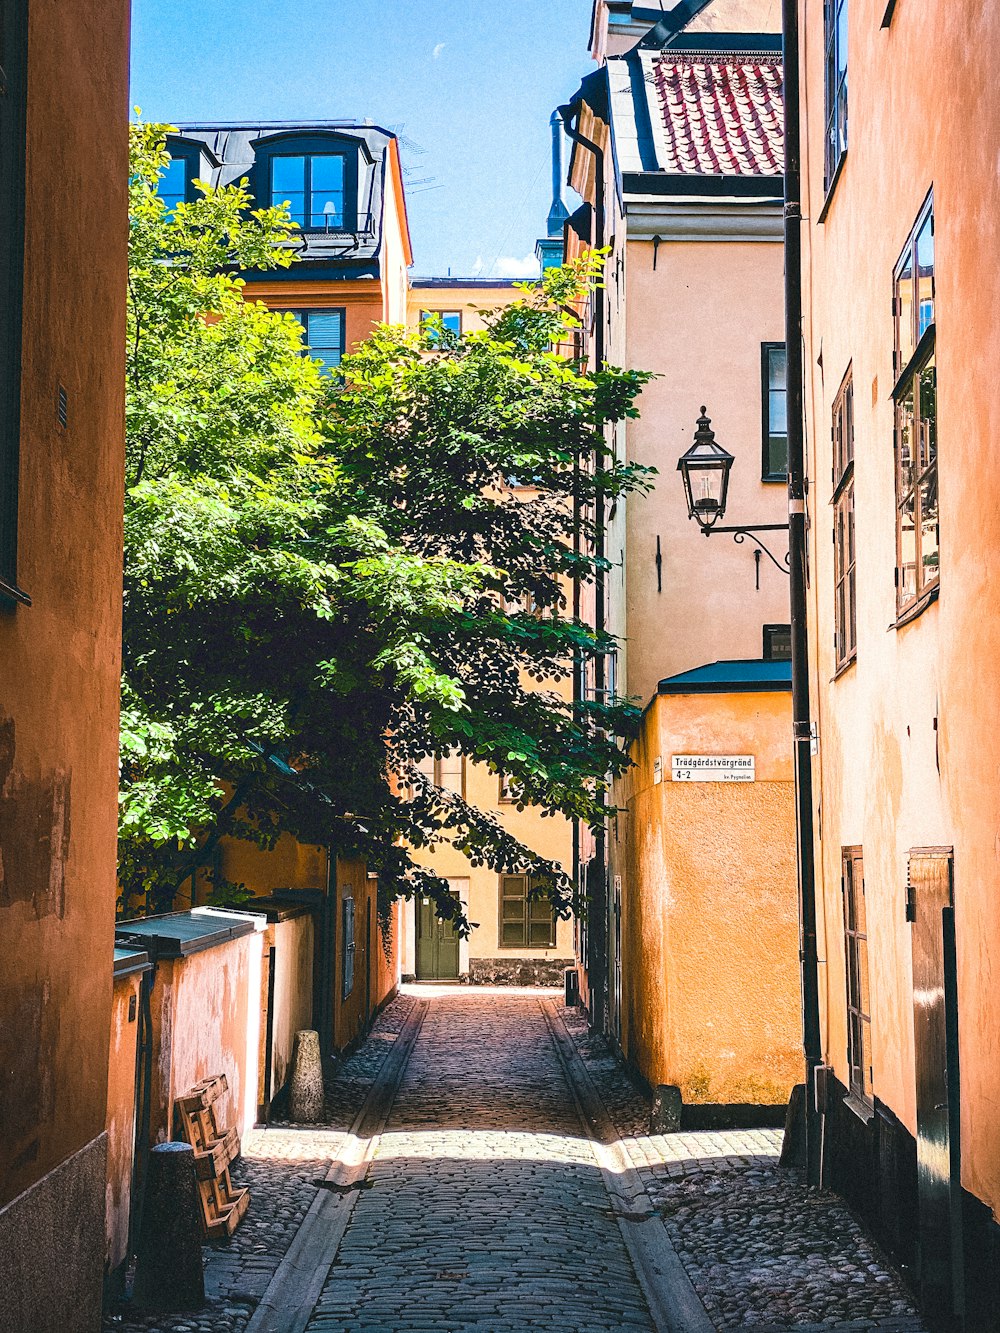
330 579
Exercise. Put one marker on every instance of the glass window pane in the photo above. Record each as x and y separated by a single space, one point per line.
905 461
925 275
452 321
539 909
512 935
842 37
288 176
324 333
172 187
539 934
327 172
929 552
907 551
777 455
778 411
776 368
904 312
927 396
513 909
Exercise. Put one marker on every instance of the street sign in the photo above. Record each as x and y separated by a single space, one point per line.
712 768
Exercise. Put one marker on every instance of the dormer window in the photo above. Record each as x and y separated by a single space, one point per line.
173 186
312 185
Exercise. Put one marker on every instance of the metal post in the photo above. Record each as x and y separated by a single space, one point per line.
801 722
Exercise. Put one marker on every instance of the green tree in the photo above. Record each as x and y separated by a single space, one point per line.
329 579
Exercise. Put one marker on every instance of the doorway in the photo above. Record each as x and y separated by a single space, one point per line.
437 945
931 910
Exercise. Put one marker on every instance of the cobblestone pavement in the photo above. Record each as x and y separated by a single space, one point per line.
762 1251
487 1210
280 1164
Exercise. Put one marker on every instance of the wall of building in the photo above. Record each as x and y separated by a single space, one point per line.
362 299
698 321
375 972
469 299
59 667
710 925
909 748
121 1117
293 941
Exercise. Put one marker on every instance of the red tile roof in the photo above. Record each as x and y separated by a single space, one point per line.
721 115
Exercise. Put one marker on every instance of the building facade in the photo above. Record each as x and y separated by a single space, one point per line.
900 280
63 256
689 953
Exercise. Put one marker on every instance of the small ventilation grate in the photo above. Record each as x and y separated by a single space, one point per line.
62 407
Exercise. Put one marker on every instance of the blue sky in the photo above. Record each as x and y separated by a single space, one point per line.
471 82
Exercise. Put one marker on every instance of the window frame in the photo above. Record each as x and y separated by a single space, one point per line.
526 921
311 145
193 157
350 945
910 367
845 612
767 649
766 472
302 315
836 87
443 315
860 1080
13 180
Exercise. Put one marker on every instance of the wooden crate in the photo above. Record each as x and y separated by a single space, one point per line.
222 1206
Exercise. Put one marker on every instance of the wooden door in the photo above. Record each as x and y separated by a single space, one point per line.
935 1044
437 945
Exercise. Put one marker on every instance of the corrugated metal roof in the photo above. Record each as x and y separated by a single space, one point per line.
719 115
731 677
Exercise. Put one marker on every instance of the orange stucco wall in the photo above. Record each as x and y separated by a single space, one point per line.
375 975
910 736
710 975
59 658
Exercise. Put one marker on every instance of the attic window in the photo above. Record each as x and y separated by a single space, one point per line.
173 186
312 184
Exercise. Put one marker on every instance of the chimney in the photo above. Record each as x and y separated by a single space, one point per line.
558 213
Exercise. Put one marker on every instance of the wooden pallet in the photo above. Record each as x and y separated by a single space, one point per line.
215 1149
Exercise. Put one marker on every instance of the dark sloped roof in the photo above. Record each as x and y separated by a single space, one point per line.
719 115
733 677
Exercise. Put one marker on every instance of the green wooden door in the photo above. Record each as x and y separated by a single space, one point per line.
437 945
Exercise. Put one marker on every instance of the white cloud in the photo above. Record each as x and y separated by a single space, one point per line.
511 267
437 50
477 267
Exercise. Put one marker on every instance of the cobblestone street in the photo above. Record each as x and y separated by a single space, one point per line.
480 1203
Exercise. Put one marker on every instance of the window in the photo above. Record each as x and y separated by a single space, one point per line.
173 186
451 320
525 922
312 184
446 772
775 415
777 643
349 946
915 396
324 334
859 1023
835 20
507 796
13 63
844 546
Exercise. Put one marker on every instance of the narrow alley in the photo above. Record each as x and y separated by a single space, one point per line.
486 1165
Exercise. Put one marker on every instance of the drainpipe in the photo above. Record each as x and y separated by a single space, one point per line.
801 721
597 920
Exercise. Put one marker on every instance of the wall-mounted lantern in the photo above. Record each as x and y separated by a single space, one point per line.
705 469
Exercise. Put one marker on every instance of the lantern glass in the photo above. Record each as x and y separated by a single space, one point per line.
704 470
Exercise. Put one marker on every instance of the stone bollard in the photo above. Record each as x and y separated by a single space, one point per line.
665 1116
305 1099
169 1273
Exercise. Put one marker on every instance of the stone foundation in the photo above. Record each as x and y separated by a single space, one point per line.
518 971
52 1242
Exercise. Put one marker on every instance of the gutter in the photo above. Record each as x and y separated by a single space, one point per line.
598 916
801 718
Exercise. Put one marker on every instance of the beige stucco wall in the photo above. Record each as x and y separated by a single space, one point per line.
697 321
710 924
910 736
469 300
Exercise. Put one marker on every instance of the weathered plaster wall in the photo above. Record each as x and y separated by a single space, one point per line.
289 865
121 1118
910 736
375 976
206 1020
710 926
59 671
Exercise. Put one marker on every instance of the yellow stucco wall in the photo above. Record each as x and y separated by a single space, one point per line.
709 917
